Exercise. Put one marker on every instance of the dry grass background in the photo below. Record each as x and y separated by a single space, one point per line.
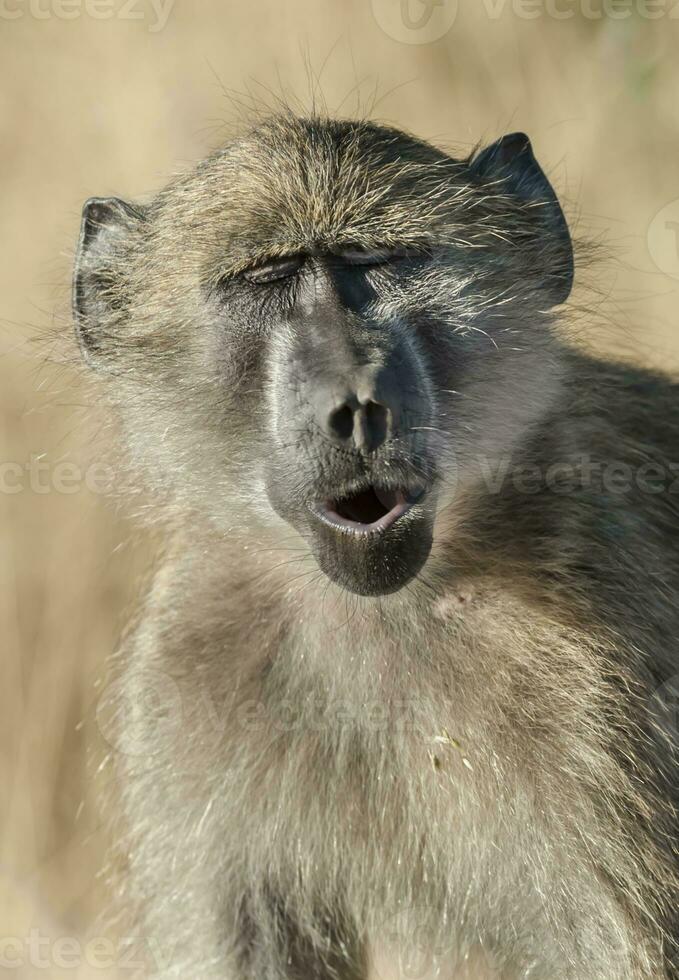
93 106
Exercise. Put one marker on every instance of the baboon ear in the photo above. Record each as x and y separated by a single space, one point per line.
510 162
106 224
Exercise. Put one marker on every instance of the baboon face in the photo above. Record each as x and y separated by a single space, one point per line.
323 327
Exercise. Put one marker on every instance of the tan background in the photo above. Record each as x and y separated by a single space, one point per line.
99 106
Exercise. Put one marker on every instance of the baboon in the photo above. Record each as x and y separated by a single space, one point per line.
417 606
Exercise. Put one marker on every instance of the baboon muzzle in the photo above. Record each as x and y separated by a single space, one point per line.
353 407
355 383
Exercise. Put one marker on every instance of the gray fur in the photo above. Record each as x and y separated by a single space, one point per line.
478 754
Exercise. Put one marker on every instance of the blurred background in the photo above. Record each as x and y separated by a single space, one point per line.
105 97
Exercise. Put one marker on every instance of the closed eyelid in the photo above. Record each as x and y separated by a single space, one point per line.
273 269
377 256
280 267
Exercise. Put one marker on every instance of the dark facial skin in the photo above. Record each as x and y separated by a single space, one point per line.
352 400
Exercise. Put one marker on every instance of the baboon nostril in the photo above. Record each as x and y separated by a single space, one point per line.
341 422
361 424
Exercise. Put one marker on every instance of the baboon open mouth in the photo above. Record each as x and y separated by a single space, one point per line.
368 511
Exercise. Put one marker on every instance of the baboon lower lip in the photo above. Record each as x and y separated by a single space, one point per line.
368 511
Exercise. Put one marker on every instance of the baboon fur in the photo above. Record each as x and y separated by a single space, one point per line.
479 756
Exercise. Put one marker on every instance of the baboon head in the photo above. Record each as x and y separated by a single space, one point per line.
324 327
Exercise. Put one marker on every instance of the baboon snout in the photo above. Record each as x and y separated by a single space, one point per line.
359 402
361 415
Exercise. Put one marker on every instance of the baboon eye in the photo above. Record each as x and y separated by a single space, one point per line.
372 256
273 269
